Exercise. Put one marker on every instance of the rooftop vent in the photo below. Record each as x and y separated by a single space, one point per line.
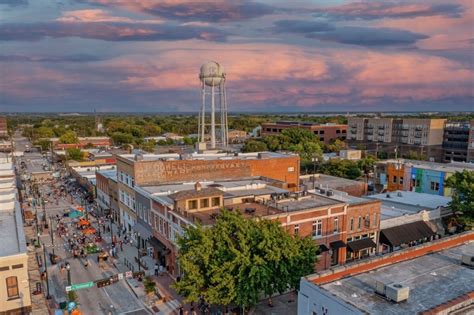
138 157
197 186
399 194
388 196
397 292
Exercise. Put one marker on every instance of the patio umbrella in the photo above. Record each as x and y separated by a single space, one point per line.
89 231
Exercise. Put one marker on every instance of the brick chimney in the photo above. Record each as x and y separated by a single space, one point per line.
197 186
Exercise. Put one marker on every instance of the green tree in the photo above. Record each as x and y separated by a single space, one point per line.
120 138
254 146
74 154
44 132
336 146
148 146
462 202
236 260
69 137
44 144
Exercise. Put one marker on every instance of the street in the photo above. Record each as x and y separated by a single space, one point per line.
48 204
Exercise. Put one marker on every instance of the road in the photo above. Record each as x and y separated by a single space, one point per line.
114 299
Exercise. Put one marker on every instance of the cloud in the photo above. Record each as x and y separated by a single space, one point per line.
14 3
195 10
369 36
97 15
371 10
52 59
301 26
353 35
107 31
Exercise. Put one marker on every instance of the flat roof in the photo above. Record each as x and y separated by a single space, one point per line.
208 156
112 173
328 181
411 198
308 202
433 279
208 217
441 167
341 196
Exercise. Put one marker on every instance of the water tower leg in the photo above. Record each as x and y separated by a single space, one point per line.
213 118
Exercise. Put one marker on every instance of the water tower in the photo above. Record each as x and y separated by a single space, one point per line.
213 114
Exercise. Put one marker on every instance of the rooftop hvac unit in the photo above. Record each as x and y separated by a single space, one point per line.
399 194
468 260
329 193
397 292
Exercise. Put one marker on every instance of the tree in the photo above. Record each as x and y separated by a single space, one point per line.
236 260
149 146
254 146
120 138
69 137
336 146
44 144
74 154
462 202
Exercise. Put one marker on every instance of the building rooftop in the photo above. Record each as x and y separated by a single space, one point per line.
328 181
207 156
341 196
441 167
307 202
112 173
196 193
302 123
433 279
411 198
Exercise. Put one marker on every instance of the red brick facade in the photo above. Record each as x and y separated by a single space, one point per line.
325 133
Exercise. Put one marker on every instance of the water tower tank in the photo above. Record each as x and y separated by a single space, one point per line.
211 73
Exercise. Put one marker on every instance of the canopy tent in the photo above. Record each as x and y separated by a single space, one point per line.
75 214
83 222
89 231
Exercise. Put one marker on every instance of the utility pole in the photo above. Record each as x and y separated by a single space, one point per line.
46 272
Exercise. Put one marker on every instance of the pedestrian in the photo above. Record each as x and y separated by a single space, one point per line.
86 263
156 269
181 312
121 246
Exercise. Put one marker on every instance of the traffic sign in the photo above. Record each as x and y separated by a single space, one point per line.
120 276
68 288
78 286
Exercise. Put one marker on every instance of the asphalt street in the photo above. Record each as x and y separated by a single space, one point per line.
114 299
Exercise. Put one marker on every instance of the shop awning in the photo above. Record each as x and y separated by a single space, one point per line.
144 232
406 233
337 244
361 244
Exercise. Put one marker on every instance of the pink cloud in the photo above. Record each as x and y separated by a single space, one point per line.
97 15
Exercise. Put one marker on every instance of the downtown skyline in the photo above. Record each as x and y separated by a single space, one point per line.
144 55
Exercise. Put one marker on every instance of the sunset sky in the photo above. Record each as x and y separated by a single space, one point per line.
144 55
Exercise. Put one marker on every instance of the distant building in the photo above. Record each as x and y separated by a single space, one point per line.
418 176
5 146
470 147
103 142
350 154
237 136
3 128
398 136
456 141
324 132
14 285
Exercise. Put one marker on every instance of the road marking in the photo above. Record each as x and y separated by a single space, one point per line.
138 309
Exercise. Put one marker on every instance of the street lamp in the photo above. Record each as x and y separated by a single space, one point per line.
68 269
51 233
46 272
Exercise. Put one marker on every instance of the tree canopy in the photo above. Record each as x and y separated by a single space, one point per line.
462 201
74 154
69 137
236 260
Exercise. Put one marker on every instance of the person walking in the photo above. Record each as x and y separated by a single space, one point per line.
156 269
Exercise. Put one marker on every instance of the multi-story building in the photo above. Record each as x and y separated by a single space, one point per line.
325 132
343 229
154 169
398 136
103 142
456 141
3 128
470 147
14 285
418 176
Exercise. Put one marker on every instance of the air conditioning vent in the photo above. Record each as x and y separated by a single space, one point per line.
468 260
397 292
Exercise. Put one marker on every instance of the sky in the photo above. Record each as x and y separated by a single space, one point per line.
278 56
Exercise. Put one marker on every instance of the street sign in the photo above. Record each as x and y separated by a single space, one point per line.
120 276
78 286
68 288
128 274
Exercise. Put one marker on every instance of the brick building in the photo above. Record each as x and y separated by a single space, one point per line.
326 133
102 142
154 169
3 128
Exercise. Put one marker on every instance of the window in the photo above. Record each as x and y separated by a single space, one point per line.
192 204
317 228
375 218
352 224
435 186
336 224
401 180
204 203
338 131
321 132
367 222
359 224
216 201
394 179
12 287
296 229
